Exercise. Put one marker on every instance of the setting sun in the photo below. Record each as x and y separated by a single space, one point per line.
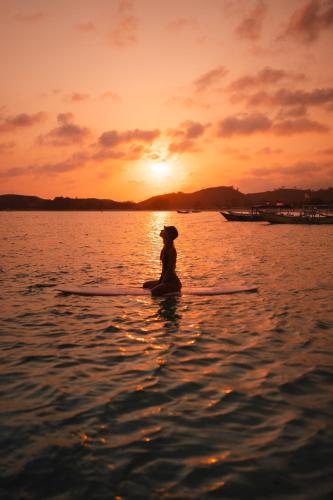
159 170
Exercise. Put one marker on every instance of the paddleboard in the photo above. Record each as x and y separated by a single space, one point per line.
112 292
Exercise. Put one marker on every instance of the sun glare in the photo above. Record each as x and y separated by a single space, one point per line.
159 170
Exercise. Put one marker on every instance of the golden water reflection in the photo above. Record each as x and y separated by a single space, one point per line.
156 221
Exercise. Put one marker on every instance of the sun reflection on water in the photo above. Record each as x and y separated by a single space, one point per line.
156 222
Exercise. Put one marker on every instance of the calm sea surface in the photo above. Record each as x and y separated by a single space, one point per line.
188 397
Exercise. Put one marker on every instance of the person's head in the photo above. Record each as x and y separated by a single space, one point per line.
169 233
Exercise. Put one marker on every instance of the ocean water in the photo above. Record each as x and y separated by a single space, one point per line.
178 397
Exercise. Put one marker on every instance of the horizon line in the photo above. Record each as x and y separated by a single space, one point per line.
282 188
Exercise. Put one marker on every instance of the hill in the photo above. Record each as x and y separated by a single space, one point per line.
20 202
209 198
213 198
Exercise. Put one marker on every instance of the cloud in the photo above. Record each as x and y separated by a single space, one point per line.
293 112
87 27
29 18
251 26
107 154
110 95
296 169
76 97
300 125
308 21
66 134
188 130
181 24
184 146
113 138
252 123
7 147
76 161
315 97
125 30
209 79
244 125
186 135
269 151
132 153
129 145
135 142
328 151
264 77
22 120
188 102
296 99
14 172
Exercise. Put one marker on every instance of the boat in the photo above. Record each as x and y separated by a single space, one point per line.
301 218
246 216
183 211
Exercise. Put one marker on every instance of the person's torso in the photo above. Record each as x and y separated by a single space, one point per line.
168 258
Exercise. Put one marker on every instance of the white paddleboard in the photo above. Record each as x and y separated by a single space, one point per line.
108 291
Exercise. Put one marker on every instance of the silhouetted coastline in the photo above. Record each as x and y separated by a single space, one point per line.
213 198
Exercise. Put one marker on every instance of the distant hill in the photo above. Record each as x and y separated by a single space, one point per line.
209 198
292 196
18 202
213 198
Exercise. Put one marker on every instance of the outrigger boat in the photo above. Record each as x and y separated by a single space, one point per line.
312 216
247 216
297 219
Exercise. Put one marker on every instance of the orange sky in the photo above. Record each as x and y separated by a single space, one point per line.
125 99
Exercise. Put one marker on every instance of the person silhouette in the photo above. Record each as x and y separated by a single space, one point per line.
168 281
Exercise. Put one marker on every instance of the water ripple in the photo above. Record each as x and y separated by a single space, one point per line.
187 397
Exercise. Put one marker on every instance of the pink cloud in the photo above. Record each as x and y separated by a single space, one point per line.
29 18
308 21
188 130
186 135
210 78
22 120
244 125
110 95
183 146
315 97
181 24
14 172
87 27
188 102
66 134
300 125
133 153
113 138
264 77
74 162
298 100
251 26
249 124
7 147
269 151
296 169
327 151
107 154
125 30
76 97
292 112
